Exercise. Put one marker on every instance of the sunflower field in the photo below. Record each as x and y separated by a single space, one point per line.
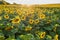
29 23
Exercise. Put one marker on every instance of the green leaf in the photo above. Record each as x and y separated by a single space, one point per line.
48 37
48 28
27 37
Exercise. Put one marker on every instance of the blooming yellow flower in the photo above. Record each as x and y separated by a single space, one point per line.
17 16
8 28
42 34
31 21
41 16
31 16
16 20
23 17
12 26
0 11
48 21
11 12
6 10
31 10
36 21
28 28
37 32
56 37
0 18
19 12
6 16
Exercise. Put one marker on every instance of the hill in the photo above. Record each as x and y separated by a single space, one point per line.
3 2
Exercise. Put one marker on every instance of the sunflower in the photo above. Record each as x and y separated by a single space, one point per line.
31 10
36 21
0 18
6 16
23 17
49 21
31 21
28 28
42 34
41 16
56 37
16 20
19 12
9 28
31 16
0 11
6 10
12 26
11 12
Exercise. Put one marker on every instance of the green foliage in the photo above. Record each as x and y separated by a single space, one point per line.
29 24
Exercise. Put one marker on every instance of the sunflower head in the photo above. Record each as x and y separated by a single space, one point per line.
49 21
7 10
8 28
42 34
36 21
56 37
31 21
23 17
16 20
0 18
28 28
6 16
41 16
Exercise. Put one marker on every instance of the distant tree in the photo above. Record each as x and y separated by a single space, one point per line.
3 2
14 3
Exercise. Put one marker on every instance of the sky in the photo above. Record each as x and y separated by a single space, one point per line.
33 1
